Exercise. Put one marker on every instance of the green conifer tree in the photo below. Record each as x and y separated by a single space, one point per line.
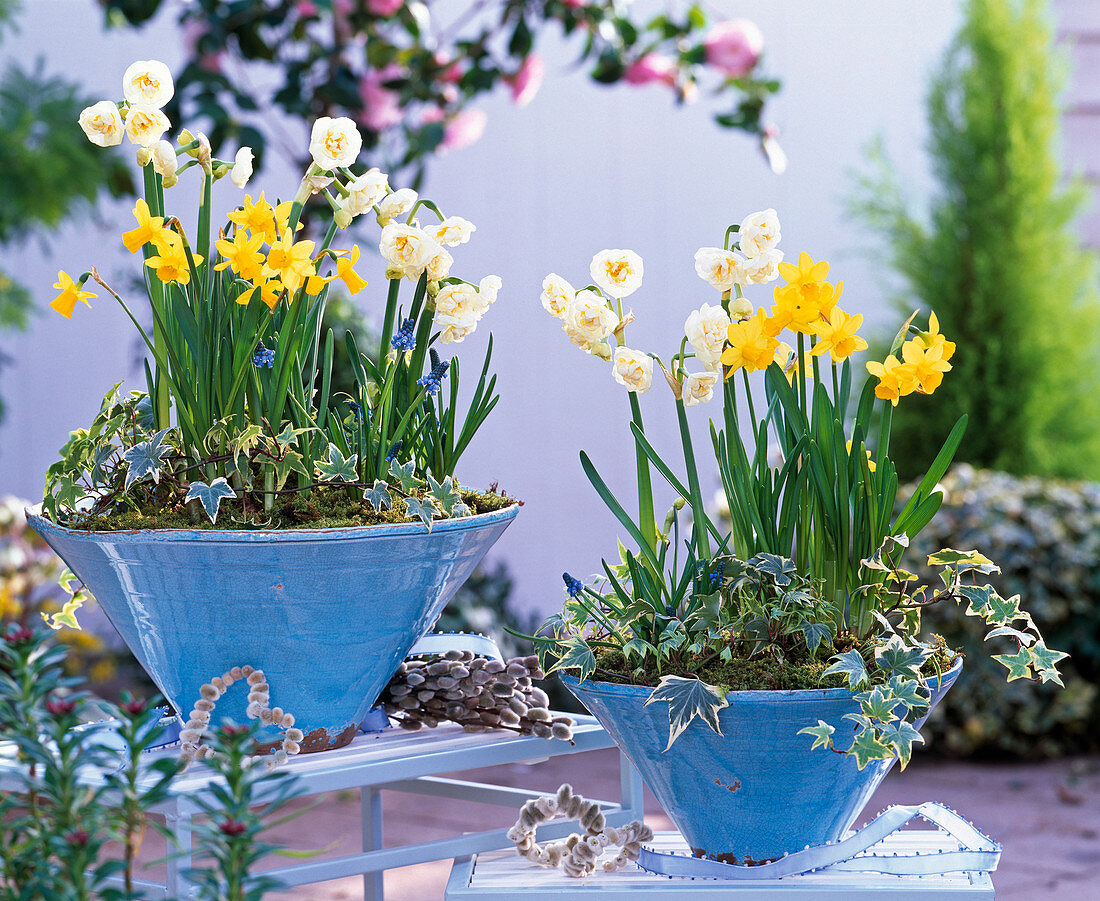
998 258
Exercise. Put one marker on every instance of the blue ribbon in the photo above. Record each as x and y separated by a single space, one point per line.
977 852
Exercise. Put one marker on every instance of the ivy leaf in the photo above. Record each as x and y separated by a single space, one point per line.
145 458
243 442
288 436
687 699
378 496
901 736
102 454
978 596
291 461
1002 611
460 510
638 646
896 658
877 705
866 747
815 633
780 569
852 665
880 559
66 616
445 495
965 561
1018 664
910 692
422 510
337 468
576 655
822 733
1045 661
1025 638
405 475
210 496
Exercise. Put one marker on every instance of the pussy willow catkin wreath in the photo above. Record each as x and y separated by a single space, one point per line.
259 698
577 855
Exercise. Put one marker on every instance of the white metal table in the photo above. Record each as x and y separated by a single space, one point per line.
391 760
504 874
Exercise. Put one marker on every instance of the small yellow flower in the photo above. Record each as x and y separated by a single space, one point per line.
258 218
752 345
282 217
315 284
871 464
928 363
838 335
65 302
171 263
344 271
933 338
290 261
271 292
149 228
243 255
806 297
895 379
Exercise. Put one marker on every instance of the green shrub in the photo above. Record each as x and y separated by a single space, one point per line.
1045 535
998 259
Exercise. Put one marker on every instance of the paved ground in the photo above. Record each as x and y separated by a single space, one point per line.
1046 816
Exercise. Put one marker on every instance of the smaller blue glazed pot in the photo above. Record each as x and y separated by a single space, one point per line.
756 791
327 614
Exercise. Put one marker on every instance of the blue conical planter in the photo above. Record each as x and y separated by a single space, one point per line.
327 614
756 791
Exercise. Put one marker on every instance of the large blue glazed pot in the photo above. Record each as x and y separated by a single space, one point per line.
327 614
756 791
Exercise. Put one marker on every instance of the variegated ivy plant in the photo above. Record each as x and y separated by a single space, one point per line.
804 565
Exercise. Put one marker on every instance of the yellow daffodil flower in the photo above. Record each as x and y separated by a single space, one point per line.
243 254
65 302
290 261
344 270
838 335
271 292
895 379
282 217
258 218
171 263
315 284
871 464
752 346
933 338
806 272
149 228
927 362
806 297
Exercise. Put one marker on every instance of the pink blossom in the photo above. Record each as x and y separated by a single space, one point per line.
381 106
452 68
527 81
193 32
384 7
734 46
573 4
343 7
306 8
650 68
464 129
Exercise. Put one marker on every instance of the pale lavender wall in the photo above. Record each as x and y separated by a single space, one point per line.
579 170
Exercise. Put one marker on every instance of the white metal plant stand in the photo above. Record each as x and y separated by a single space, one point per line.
504 874
391 760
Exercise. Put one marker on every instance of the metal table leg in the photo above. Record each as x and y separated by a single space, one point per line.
631 787
371 813
176 884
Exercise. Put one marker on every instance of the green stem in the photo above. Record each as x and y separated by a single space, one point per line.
647 521
161 402
698 511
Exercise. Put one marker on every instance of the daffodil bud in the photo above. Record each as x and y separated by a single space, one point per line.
602 350
187 138
740 308
342 218
673 383
144 156
204 153
221 169
433 289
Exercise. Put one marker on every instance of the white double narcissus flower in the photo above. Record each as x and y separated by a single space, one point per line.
698 387
452 231
758 232
164 159
334 143
706 330
242 167
458 309
556 294
618 272
487 291
145 126
366 191
588 319
102 123
633 369
407 250
439 265
148 84
721 269
763 268
396 204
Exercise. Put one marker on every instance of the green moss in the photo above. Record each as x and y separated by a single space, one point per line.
322 508
760 672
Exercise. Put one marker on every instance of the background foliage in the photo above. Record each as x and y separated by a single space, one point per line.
408 72
50 169
1045 534
998 259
